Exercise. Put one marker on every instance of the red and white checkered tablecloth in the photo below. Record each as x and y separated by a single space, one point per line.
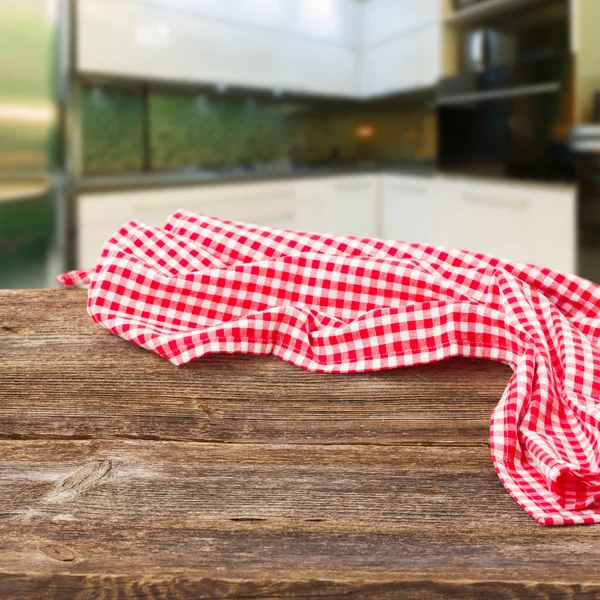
337 304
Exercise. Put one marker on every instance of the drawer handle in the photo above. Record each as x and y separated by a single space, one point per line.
354 186
146 204
268 196
515 203
407 189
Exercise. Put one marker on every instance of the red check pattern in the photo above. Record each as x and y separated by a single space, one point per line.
337 304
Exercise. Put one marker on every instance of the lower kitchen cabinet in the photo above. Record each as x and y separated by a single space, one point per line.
347 205
406 209
522 222
99 215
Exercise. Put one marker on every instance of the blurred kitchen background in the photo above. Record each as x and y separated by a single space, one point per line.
466 123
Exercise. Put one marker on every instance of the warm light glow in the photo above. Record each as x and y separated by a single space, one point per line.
28 114
365 132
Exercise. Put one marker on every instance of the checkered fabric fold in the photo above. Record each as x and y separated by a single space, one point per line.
337 304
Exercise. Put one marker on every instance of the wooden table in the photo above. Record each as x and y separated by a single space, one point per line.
123 476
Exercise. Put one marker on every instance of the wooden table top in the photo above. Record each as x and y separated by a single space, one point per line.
123 476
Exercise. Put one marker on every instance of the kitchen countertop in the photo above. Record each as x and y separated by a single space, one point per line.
236 476
170 180
164 180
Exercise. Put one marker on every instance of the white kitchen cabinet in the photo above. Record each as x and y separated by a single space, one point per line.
347 205
309 204
377 62
522 222
159 41
427 55
310 67
401 47
331 47
101 214
328 20
263 204
402 63
406 211
386 19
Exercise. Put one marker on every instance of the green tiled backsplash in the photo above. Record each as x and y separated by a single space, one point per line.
112 125
223 131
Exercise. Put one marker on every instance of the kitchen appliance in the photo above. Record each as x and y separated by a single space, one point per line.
585 146
460 4
503 121
487 48
597 107
32 176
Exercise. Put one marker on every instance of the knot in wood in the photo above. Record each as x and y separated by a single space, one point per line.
57 552
85 478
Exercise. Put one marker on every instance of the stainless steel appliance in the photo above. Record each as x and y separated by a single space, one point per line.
460 4
487 48
32 175
504 121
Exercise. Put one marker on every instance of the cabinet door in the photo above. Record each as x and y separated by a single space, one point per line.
310 205
262 204
341 205
386 67
354 207
406 209
517 222
154 41
426 55
388 18
100 215
313 67
406 62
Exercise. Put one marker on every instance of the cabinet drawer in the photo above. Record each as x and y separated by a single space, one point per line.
257 206
341 205
522 223
406 209
100 215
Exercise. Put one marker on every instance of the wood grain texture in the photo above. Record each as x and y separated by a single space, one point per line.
97 385
122 476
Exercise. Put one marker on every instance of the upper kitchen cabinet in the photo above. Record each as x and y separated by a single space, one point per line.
306 46
407 62
344 48
388 19
400 46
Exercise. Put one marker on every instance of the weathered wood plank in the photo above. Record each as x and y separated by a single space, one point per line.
87 587
181 481
64 377
169 520
112 510
115 481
